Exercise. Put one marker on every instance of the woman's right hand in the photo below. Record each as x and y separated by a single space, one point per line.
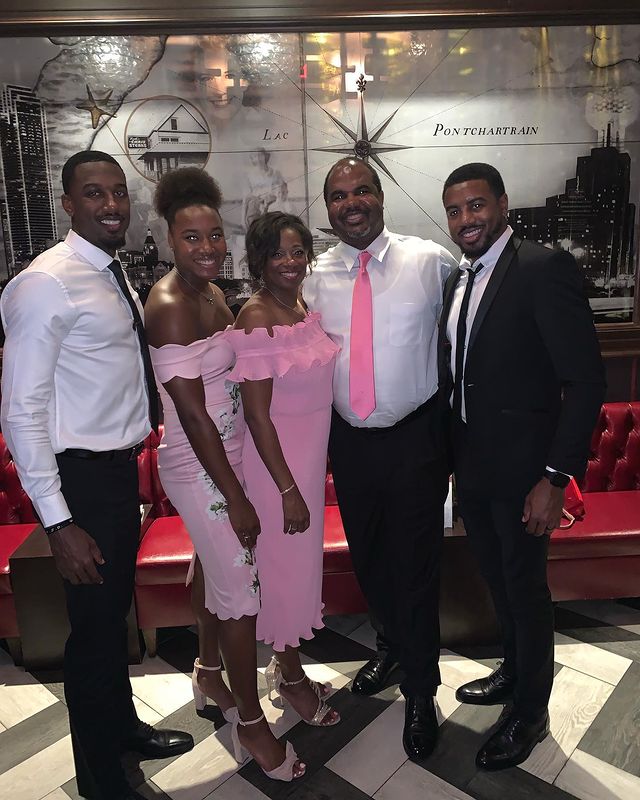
295 512
244 521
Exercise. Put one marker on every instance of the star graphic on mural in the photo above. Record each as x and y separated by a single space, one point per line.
91 105
365 145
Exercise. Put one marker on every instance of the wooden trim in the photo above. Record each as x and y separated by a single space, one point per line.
620 340
72 17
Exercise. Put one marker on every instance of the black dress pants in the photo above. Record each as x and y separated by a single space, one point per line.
103 499
391 487
514 564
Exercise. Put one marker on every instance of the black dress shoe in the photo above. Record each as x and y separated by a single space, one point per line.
372 677
513 741
495 689
420 732
157 742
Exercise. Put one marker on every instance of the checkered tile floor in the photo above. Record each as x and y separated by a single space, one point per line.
593 752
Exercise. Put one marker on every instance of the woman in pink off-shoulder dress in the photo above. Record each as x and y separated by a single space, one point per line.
284 363
200 460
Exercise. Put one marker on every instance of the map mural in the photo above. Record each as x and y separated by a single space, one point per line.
555 109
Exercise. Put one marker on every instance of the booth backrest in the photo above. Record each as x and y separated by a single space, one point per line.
15 506
614 462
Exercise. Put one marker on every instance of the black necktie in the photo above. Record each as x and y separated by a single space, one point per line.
461 338
152 389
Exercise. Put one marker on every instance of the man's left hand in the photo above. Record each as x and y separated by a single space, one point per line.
543 508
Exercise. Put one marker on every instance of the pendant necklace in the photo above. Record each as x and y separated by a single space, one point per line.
208 297
289 308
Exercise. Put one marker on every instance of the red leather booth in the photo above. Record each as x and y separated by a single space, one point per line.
17 521
598 557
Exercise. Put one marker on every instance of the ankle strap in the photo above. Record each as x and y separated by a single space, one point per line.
198 665
250 721
294 683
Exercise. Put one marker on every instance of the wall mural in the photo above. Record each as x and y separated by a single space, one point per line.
555 109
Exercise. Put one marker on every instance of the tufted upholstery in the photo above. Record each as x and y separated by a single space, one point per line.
599 556
614 462
17 520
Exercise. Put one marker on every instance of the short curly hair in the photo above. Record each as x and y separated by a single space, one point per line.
263 239
181 188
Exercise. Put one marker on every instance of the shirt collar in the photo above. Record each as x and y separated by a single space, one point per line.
490 258
378 249
94 255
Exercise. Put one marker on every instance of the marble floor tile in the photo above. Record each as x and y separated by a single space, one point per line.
575 702
21 695
145 712
2 728
411 782
345 624
197 773
589 778
373 756
39 775
365 634
446 702
614 737
236 788
605 611
591 660
57 794
159 685
456 669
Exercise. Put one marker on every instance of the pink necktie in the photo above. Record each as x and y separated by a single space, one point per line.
362 392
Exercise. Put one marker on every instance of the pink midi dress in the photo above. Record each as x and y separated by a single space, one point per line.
230 576
300 361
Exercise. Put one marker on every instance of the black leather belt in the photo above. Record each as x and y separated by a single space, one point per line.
130 454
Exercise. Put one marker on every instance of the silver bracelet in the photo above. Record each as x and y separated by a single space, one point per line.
284 491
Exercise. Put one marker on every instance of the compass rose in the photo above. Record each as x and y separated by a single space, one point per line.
365 145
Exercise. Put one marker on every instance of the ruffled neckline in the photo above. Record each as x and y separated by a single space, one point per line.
195 341
279 331
297 348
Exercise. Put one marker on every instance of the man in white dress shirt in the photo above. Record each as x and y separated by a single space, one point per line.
386 455
76 400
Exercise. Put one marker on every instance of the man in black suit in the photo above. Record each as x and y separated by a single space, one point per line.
521 368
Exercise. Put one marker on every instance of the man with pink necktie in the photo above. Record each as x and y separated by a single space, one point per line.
380 296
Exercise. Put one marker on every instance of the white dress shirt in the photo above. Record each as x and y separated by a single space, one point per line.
488 261
72 369
407 277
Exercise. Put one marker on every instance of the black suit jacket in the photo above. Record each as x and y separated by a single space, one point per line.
534 378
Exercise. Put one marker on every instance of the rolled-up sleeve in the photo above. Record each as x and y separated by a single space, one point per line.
37 315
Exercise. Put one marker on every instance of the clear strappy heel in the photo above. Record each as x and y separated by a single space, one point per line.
285 772
275 682
199 697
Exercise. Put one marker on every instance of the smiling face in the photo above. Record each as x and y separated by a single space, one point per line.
286 268
476 217
354 204
197 239
98 204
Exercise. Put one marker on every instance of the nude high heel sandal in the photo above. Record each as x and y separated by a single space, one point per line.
275 682
200 698
285 772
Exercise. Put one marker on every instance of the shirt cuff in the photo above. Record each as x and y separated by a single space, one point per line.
559 471
52 509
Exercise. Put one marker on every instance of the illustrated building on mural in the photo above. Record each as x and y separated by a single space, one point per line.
593 219
27 207
180 140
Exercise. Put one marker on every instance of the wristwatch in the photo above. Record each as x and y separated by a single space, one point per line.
558 479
